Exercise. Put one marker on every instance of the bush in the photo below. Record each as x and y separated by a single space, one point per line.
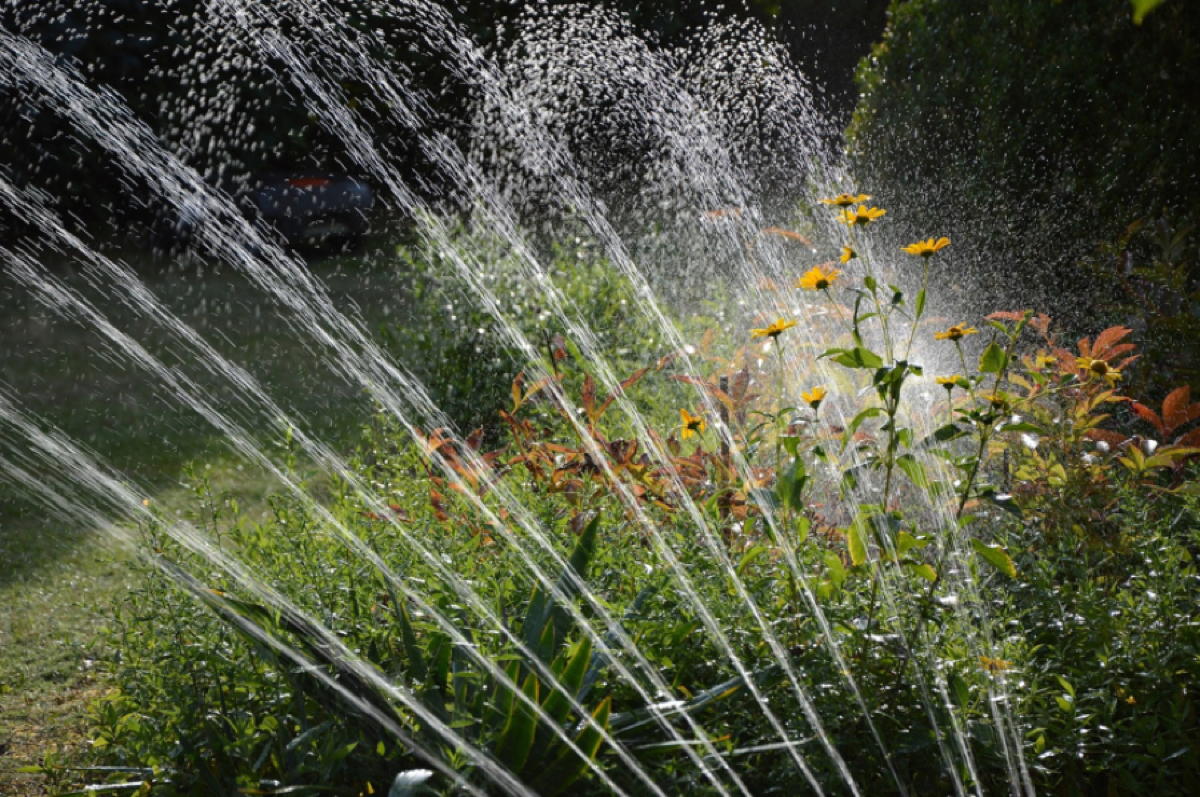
1038 131
709 558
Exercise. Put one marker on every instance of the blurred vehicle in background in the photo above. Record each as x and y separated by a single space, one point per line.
314 212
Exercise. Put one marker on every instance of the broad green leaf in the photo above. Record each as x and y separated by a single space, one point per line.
857 421
919 305
905 542
858 357
923 570
913 469
993 359
790 486
749 556
837 570
996 556
856 542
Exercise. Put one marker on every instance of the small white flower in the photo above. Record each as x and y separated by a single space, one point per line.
1148 446
1102 446
1030 440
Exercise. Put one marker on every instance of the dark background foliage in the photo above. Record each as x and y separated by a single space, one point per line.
209 96
1041 131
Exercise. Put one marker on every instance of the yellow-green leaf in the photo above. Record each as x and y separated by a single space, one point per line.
995 556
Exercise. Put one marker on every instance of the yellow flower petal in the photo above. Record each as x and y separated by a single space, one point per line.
845 200
927 247
956 332
817 279
774 330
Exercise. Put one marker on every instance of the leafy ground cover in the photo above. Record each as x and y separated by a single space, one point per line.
60 581
798 574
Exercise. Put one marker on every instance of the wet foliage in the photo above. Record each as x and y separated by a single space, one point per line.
807 585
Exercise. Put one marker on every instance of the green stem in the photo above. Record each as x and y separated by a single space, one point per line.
912 333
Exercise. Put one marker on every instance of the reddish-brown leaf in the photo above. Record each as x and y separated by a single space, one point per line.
1148 415
1114 439
1107 339
629 382
1191 439
1175 408
588 394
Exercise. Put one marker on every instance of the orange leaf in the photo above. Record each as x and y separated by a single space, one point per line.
1190 439
1148 415
1175 408
625 385
1114 439
1107 339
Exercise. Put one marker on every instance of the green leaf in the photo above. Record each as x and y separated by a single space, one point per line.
749 556
790 486
516 739
923 570
803 525
944 434
542 608
858 357
856 541
837 570
857 421
905 542
913 469
569 767
1143 7
996 556
571 679
919 306
993 359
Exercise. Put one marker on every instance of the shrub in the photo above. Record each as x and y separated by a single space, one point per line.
710 561
1038 131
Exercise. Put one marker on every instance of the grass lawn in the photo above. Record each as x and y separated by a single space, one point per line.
58 582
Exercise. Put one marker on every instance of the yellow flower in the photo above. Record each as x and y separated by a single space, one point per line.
774 330
845 200
994 665
1131 700
864 215
1099 368
814 397
1044 361
998 401
956 332
949 382
926 248
817 279
847 254
691 424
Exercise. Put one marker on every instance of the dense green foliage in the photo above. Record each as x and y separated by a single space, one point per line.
1015 124
1012 584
